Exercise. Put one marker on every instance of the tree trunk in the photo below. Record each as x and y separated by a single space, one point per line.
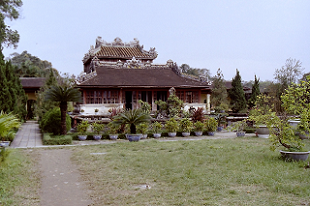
63 113
133 129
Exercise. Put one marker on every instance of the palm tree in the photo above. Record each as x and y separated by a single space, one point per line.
63 94
8 122
131 117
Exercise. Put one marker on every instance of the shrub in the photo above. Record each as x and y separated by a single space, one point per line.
48 139
156 127
198 126
211 124
198 115
82 127
51 121
172 125
186 125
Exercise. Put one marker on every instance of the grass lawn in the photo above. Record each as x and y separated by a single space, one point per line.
240 171
19 179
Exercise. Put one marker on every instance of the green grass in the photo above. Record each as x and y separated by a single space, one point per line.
19 179
240 171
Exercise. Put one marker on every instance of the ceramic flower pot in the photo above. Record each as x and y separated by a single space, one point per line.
198 133
133 137
113 136
296 156
172 134
157 135
211 133
144 136
97 137
240 134
186 134
82 137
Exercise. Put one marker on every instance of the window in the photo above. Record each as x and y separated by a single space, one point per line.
102 97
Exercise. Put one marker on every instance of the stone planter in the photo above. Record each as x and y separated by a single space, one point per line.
4 143
240 134
113 136
296 156
304 136
198 133
97 137
133 137
172 134
82 137
144 136
211 133
262 131
186 134
219 129
157 135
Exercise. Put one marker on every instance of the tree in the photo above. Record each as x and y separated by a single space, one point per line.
8 9
236 94
204 73
219 92
12 95
63 95
255 93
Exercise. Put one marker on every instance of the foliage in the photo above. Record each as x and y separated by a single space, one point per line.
97 127
145 106
172 125
113 128
82 127
132 118
219 91
196 72
56 140
255 93
186 125
211 124
236 94
63 95
27 65
172 108
156 127
220 118
198 115
12 95
199 126
238 126
8 122
51 121
8 8
96 110
113 112
143 128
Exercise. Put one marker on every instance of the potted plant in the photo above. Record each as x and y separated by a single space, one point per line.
172 126
295 101
239 128
198 128
143 128
186 125
132 118
156 127
211 126
8 122
113 131
96 111
97 128
82 129
82 111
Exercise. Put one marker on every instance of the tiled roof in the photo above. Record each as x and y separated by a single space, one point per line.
32 82
155 77
123 52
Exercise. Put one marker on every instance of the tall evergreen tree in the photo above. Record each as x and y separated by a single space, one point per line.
255 93
219 92
236 94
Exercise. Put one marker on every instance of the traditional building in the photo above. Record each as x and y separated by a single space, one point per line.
118 75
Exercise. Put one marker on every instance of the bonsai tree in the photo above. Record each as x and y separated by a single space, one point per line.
172 125
156 127
186 125
63 95
8 122
296 100
132 118
238 126
82 127
97 128
198 126
211 124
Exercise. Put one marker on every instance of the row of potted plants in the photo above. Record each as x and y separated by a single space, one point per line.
172 126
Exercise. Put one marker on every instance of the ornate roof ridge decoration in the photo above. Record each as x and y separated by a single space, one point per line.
84 77
117 43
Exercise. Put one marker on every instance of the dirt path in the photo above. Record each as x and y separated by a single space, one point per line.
61 181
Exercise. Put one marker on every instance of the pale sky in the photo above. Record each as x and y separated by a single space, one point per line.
253 36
